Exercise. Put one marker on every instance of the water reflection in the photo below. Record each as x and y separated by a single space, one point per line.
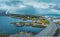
7 28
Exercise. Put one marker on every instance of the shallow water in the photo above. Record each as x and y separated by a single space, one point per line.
58 26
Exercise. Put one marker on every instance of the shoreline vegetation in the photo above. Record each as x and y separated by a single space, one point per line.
40 21
3 35
20 24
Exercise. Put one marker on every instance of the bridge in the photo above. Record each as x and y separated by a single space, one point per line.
50 30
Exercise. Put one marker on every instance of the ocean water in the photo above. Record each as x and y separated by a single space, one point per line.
7 28
58 26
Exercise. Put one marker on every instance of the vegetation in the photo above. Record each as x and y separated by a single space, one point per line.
21 22
39 19
34 24
4 35
24 17
44 21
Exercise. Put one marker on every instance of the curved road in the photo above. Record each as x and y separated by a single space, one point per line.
48 31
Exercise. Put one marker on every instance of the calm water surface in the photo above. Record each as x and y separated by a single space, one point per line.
7 28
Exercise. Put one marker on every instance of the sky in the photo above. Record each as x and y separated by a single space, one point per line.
31 6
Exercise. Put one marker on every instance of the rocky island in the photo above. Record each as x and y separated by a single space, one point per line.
39 21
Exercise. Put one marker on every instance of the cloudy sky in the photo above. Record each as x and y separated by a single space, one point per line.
31 6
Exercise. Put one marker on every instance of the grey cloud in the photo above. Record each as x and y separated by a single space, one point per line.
57 7
26 10
11 3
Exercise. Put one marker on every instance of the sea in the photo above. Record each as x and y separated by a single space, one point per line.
7 28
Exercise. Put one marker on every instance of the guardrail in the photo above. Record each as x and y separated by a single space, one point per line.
50 30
